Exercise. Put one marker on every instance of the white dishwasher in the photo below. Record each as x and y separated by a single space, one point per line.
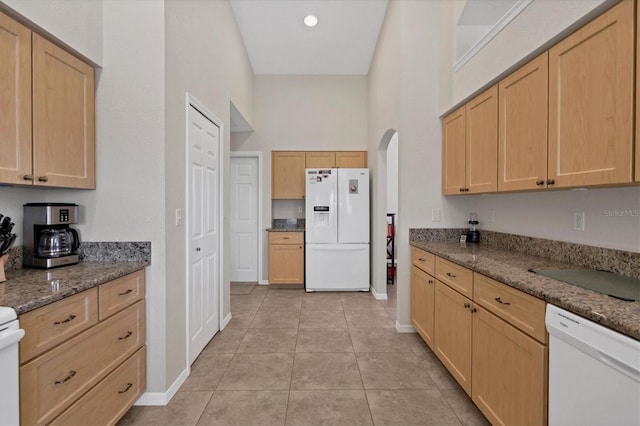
10 335
594 373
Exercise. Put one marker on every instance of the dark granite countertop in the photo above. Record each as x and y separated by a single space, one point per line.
285 229
512 267
27 289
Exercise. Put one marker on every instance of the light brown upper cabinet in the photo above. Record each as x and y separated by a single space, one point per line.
453 148
63 118
320 159
287 169
470 146
15 98
351 159
522 121
591 98
287 175
482 142
48 133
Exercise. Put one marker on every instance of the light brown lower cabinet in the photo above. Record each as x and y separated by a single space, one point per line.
286 258
452 335
509 380
423 304
491 339
106 403
94 376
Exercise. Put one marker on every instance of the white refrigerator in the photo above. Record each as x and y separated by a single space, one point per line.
337 230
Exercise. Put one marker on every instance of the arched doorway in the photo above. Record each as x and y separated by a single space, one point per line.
386 214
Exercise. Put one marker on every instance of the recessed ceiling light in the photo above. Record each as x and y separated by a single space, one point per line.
310 21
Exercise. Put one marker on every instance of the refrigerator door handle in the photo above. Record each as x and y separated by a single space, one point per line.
336 248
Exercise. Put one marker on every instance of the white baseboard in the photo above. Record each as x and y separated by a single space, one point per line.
378 296
163 398
225 321
263 282
404 328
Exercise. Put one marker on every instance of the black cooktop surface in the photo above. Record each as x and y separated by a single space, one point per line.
614 285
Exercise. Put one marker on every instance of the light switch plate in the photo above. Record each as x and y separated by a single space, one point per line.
578 221
435 215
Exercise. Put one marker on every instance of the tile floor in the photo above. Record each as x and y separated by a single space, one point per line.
293 358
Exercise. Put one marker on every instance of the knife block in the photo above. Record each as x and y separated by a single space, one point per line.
3 261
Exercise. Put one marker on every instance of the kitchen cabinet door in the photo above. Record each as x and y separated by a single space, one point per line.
286 264
523 123
286 257
481 152
453 152
591 102
320 159
15 98
452 333
509 372
63 118
423 304
287 175
351 159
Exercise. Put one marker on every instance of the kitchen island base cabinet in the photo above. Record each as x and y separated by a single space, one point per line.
509 372
452 335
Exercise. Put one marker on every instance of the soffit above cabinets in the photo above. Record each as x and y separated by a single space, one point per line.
278 42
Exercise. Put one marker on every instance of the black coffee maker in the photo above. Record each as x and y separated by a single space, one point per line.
49 241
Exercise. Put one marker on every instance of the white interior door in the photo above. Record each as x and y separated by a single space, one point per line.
244 219
203 138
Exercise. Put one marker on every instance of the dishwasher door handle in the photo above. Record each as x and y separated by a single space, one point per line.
8 338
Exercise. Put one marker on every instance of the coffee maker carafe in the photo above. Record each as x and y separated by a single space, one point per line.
49 241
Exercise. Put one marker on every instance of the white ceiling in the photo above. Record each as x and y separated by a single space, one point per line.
278 42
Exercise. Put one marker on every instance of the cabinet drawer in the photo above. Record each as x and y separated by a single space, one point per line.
286 238
455 276
116 295
110 399
52 324
53 381
423 260
519 309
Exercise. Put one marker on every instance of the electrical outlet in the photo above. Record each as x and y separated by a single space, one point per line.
435 215
178 217
300 209
578 221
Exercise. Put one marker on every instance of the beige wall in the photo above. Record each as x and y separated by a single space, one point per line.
539 23
140 143
303 112
75 23
205 56
403 95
